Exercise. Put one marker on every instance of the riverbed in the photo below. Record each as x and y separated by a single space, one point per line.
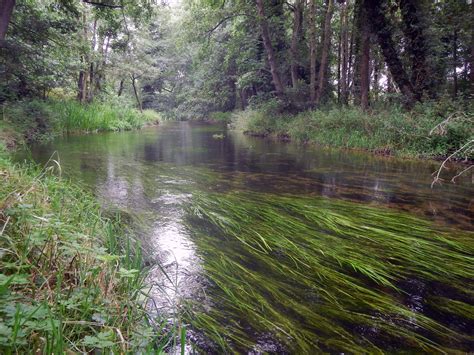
265 246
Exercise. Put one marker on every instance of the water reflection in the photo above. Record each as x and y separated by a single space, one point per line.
156 171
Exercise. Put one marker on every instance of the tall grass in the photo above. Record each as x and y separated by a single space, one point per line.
328 275
71 280
390 130
34 120
75 117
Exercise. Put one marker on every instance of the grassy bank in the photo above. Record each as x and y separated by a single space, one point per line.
71 280
388 131
32 120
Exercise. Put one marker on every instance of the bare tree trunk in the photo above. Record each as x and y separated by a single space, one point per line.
325 52
339 60
471 59
82 81
92 67
6 10
135 91
267 43
381 27
350 64
376 70
295 40
361 83
81 94
312 50
344 54
120 90
455 63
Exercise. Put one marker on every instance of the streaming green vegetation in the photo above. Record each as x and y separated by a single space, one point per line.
388 131
71 279
34 120
329 275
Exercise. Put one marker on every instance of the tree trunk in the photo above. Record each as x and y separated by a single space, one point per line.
295 41
279 89
120 90
455 63
412 12
376 70
81 94
344 54
82 81
339 59
383 29
361 83
92 67
471 59
135 91
6 10
312 50
323 67
350 65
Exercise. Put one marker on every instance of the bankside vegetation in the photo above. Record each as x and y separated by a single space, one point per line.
282 60
390 76
71 279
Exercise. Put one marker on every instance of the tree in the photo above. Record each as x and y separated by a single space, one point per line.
296 39
325 51
272 61
381 27
362 60
344 56
6 9
312 46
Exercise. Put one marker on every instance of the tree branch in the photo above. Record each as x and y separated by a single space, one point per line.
209 32
438 172
103 4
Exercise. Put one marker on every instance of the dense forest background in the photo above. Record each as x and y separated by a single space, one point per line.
203 56
196 58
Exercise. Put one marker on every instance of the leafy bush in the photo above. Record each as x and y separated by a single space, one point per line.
219 116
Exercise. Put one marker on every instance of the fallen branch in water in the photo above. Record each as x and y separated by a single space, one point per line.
465 148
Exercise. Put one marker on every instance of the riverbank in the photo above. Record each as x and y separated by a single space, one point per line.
71 279
35 120
429 131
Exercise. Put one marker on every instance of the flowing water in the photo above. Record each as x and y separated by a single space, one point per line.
275 247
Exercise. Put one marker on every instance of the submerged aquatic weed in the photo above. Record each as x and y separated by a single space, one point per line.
329 275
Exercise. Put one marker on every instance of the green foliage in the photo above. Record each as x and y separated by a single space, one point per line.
71 280
389 131
224 117
76 117
32 120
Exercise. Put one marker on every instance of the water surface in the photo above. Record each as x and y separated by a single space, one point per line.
157 172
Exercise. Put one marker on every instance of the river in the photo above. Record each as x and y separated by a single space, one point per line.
278 247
